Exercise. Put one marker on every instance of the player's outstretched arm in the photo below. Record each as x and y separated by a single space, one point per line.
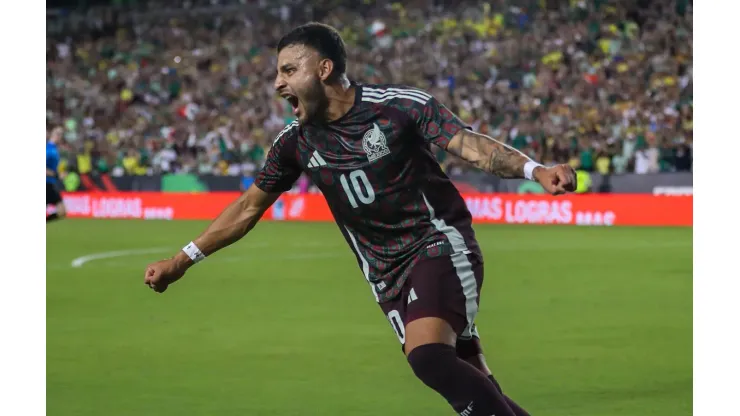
234 222
438 125
488 154
493 156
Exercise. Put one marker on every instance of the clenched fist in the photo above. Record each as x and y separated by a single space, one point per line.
557 179
161 274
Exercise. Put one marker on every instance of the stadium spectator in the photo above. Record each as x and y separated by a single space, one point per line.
168 86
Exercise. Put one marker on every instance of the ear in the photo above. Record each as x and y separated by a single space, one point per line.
326 69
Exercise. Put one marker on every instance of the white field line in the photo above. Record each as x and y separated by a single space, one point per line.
247 256
80 261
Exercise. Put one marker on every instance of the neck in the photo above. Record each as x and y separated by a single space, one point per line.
341 97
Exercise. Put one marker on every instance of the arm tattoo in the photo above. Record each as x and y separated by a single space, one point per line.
488 154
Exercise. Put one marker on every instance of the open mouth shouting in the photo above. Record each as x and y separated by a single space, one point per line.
293 100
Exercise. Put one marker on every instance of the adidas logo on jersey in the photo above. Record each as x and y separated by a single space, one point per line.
316 161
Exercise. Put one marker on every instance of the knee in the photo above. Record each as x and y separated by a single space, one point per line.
469 348
430 362
61 211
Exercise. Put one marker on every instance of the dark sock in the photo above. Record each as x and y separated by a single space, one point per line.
495 383
512 404
52 217
461 384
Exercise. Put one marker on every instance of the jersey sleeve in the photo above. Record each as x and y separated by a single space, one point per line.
435 122
281 169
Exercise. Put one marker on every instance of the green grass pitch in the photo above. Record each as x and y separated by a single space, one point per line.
575 322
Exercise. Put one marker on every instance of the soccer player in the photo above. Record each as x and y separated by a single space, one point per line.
53 197
367 147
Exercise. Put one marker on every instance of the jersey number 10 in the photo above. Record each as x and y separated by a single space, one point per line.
361 188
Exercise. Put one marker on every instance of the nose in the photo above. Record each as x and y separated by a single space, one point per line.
279 82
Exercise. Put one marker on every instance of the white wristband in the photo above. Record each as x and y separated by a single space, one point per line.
529 168
194 252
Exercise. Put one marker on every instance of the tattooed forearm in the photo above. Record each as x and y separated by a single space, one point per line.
505 161
488 154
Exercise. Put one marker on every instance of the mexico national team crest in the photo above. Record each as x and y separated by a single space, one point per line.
375 144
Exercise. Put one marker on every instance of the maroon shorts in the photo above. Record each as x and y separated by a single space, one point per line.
446 287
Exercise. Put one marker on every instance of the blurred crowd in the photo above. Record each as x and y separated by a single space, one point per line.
187 86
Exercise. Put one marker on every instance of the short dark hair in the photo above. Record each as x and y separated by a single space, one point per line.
324 39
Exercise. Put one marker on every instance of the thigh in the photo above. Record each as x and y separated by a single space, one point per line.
448 287
445 287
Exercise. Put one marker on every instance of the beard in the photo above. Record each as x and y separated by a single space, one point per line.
316 102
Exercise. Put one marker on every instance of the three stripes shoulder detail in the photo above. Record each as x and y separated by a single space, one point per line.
285 130
381 95
316 160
